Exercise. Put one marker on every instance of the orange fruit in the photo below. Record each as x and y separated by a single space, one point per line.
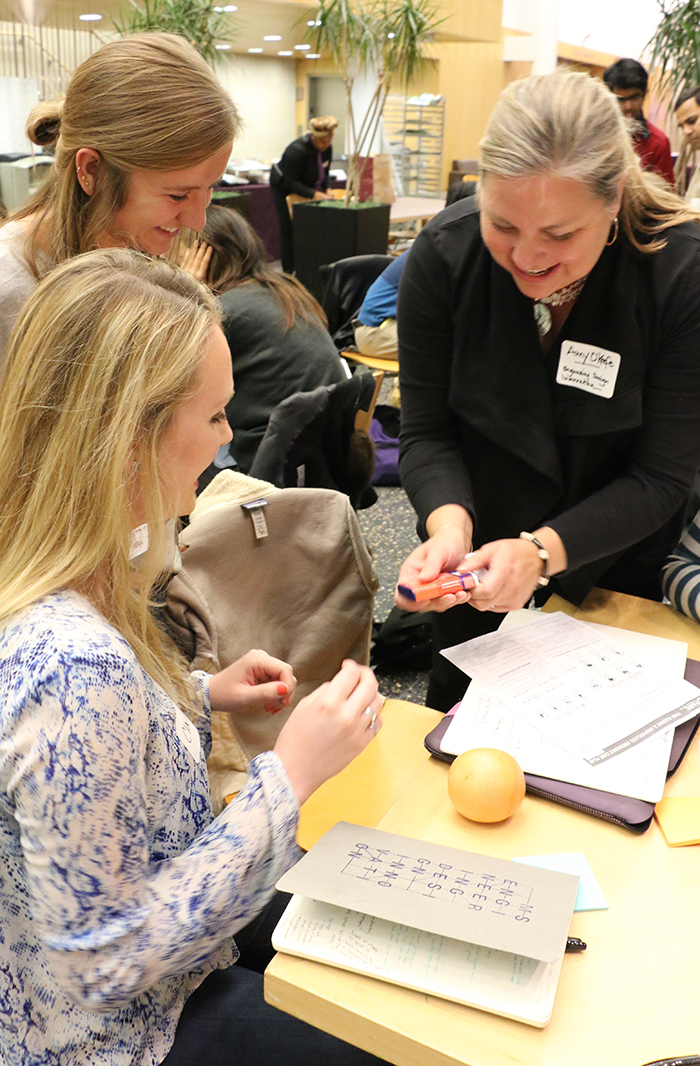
486 784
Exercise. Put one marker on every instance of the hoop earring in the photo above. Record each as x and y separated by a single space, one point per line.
616 230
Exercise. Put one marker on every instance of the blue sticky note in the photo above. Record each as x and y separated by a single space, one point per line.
589 896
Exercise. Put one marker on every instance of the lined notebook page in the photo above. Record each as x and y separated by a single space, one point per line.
496 981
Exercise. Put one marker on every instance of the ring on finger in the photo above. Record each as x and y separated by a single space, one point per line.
371 715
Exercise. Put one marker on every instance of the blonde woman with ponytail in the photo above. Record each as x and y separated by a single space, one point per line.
549 341
124 903
144 132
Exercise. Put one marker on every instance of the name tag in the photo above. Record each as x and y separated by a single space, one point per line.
188 734
138 541
583 366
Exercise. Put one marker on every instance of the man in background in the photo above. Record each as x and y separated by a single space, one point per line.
628 80
687 111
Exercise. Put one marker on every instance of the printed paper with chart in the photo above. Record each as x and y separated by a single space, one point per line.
483 720
590 695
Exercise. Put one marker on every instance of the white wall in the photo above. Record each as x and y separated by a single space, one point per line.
17 98
620 27
264 92
362 93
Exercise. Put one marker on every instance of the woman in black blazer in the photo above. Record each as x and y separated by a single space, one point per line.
302 170
549 342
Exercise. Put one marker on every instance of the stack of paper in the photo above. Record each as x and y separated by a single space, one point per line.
575 701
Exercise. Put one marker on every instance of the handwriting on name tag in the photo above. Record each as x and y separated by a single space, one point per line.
586 367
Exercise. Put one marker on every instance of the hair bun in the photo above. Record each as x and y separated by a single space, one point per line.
44 123
323 124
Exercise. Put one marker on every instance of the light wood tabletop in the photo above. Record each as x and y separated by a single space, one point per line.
630 998
365 791
415 208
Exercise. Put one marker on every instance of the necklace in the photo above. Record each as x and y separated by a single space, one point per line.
540 308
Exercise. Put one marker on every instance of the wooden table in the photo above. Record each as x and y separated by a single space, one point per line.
367 789
630 998
418 209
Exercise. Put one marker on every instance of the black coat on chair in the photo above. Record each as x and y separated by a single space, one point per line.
346 284
311 441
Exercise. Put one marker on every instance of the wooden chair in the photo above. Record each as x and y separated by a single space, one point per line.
386 366
363 418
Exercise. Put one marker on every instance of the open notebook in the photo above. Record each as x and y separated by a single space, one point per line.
511 985
385 906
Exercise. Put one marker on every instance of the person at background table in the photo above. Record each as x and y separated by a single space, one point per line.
303 171
275 329
144 132
628 81
376 332
122 896
687 115
549 345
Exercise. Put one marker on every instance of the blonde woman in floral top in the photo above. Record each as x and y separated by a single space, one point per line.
121 896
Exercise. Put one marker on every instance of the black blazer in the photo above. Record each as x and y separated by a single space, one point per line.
297 170
485 424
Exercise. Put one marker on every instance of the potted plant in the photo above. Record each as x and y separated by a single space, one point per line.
386 38
675 57
200 22
675 46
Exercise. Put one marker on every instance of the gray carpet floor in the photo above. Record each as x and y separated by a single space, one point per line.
389 528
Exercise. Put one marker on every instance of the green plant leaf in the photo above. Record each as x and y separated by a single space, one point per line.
195 20
675 46
354 34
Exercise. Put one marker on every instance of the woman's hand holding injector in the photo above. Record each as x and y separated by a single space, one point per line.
449 540
513 569
509 570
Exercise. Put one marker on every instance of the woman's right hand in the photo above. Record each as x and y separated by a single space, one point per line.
444 551
195 260
329 728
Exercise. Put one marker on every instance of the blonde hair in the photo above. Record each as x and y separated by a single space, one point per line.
323 124
147 102
571 124
105 350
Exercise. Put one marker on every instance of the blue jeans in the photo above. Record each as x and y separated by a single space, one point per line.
226 1021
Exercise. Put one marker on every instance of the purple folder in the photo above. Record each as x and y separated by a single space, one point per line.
634 814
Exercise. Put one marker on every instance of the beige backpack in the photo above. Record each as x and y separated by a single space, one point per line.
292 576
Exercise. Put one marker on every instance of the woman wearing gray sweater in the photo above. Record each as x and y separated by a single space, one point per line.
275 329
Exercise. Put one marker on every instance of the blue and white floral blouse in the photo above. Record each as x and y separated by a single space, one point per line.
119 891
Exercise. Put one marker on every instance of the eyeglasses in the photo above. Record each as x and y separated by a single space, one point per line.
633 98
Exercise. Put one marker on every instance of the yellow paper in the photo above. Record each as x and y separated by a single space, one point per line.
679 818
